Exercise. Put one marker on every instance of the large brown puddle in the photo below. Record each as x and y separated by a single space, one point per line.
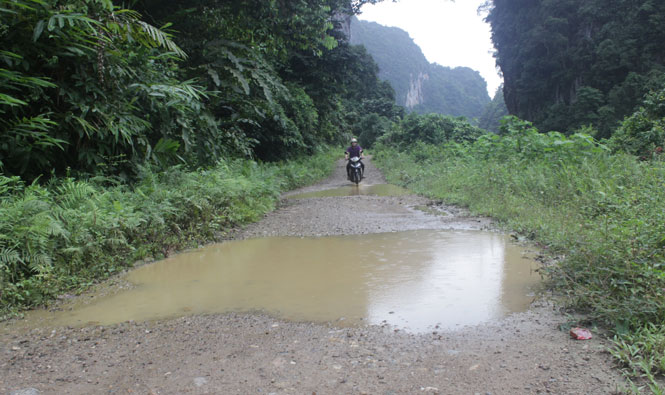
353 190
418 281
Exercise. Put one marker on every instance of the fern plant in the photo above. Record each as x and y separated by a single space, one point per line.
64 96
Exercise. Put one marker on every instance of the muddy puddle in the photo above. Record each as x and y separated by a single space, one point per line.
416 281
353 190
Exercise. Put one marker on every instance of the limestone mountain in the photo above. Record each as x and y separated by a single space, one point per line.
420 86
569 64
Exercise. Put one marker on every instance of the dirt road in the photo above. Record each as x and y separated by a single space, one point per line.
253 353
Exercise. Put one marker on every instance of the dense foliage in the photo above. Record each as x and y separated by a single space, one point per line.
84 84
419 85
643 133
68 233
90 88
434 129
286 81
567 64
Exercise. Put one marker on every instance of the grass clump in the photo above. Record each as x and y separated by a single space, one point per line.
642 354
66 234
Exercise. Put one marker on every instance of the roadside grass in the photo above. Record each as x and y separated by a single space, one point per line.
67 234
642 355
601 214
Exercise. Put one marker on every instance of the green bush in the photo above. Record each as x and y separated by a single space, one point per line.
643 133
431 129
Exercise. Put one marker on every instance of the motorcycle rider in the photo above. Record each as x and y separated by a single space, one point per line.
353 150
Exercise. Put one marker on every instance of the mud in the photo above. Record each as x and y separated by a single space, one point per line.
415 281
524 353
355 190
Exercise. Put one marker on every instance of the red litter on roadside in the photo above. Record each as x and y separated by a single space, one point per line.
580 334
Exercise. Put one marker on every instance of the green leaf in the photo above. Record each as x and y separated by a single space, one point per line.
51 23
240 78
39 28
11 101
215 77
330 42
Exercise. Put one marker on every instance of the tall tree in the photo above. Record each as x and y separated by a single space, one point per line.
287 79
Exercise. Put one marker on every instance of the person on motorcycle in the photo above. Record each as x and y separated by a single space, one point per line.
353 150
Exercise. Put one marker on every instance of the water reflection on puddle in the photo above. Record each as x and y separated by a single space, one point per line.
352 190
412 280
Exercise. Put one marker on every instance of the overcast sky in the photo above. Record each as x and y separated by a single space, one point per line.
450 34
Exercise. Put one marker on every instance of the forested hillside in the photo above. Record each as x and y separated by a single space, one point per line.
568 63
419 85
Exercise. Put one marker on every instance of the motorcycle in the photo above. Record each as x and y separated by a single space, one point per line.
356 170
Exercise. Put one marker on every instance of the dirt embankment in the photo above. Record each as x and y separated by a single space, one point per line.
253 353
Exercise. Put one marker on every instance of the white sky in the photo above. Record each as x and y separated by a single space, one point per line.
449 33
